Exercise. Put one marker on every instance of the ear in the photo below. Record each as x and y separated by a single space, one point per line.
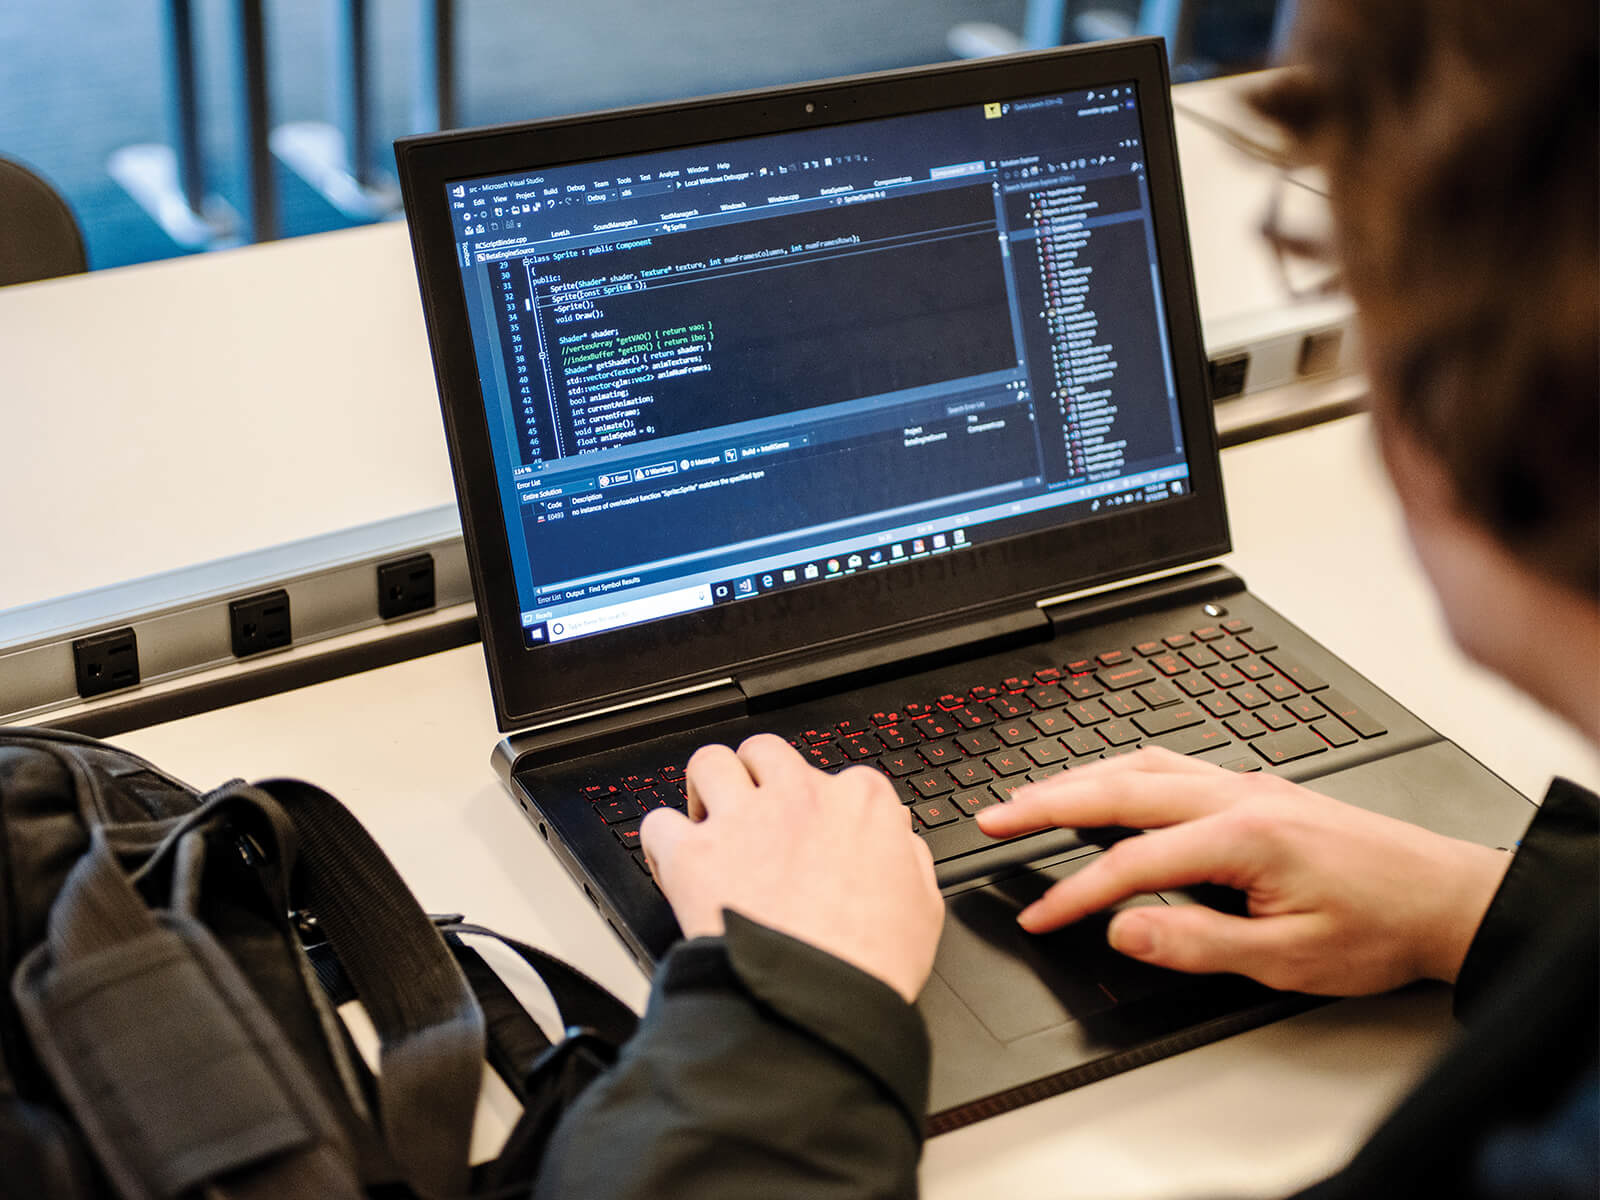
1427 493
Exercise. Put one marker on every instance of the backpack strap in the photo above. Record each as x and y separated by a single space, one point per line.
321 859
548 1077
558 1077
429 1024
514 1040
175 1072
581 1001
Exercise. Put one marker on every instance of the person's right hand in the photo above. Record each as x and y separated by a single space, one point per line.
1342 901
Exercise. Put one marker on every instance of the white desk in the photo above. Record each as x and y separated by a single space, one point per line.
179 412
408 746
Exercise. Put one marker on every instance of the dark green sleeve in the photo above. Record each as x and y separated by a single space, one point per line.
1558 859
763 1068
1509 1111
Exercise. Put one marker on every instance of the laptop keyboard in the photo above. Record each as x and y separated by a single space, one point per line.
1225 691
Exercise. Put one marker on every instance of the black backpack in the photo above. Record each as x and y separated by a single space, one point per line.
175 963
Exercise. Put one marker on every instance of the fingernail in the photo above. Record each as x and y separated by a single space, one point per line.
1132 937
1027 916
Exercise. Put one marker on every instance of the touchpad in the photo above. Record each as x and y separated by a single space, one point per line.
1018 983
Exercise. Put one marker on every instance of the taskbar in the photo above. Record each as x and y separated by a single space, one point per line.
811 570
749 580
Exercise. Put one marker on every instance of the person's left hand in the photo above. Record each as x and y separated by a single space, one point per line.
828 859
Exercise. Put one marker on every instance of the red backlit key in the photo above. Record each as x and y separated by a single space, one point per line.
975 800
1007 762
934 726
1288 745
903 763
1341 706
970 774
860 745
617 809
897 736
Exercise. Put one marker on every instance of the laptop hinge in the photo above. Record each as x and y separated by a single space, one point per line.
620 725
795 680
791 682
1187 586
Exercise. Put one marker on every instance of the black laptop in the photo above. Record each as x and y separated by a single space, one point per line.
873 413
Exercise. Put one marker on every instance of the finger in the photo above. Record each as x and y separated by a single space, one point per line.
770 760
1091 798
660 835
714 774
1201 940
874 784
1201 851
1154 759
667 837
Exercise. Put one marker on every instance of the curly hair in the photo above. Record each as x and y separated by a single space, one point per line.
1463 160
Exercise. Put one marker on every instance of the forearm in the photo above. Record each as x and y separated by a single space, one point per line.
762 1068
1454 898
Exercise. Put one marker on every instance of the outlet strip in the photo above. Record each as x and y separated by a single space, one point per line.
1262 351
105 646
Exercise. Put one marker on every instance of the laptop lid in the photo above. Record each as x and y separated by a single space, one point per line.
742 380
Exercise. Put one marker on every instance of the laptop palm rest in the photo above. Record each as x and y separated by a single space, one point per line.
1018 983
1015 1017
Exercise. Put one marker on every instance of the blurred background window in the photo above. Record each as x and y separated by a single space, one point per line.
176 126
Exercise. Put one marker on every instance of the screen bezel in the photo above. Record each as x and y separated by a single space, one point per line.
537 684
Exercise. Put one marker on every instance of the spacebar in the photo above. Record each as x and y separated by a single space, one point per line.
963 851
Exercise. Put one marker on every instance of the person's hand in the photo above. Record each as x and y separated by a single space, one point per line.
1342 901
828 859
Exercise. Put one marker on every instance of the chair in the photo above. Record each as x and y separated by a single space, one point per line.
39 237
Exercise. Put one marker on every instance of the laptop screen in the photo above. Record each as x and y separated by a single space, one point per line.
726 370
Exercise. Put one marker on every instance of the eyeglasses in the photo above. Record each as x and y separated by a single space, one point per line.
1296 226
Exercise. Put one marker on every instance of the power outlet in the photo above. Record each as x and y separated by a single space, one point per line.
259 622
1228 375
106 662
405 585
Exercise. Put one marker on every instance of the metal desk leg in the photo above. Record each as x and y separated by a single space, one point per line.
436 68
169 181
1044 23
340 160
353 77
250 45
